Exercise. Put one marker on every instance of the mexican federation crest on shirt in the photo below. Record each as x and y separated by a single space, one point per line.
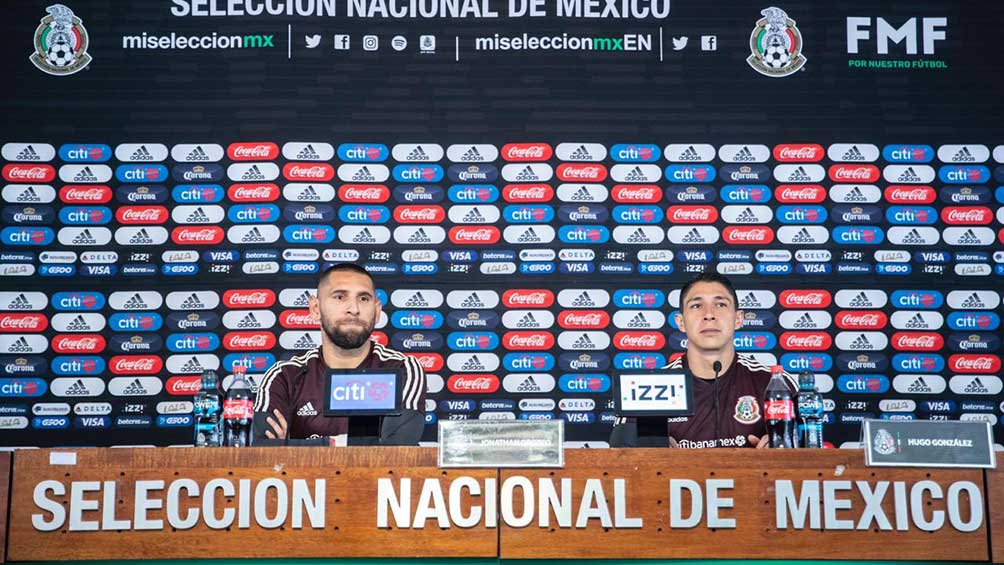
775 44
60 42
747 410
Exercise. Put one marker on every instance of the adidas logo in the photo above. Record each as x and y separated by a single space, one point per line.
19 346
861 343
472 301
527 175
28 195
853 154
803 236
639 321
141 238
917 322
199 216
420 237
583 300
308 153
854 195
689 154
305 342
805 321
580 154
253 236
749 301
799 175
909 175
363 174
529 236
364 236
135 387
192 366
919 386
472 154
581 195
969 238
973 301
20 302
638 237
141 154
197 154
860 301
28 154
528 321
78 324
192 303
416 301
976 387
307 410
528 385
583 343
303 299
417 154
473 364
746 217
309 193
963 156
636 175
250 321
744 155
913 238
135 303
253 173
78 389
474 217
84 238
694 236
85 175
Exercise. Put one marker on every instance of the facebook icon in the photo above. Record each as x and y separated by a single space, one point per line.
709 43
341 41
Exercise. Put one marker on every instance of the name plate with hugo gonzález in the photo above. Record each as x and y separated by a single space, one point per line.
482 443
923 443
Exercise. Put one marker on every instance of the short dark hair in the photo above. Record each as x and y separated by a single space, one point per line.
710 277
344 267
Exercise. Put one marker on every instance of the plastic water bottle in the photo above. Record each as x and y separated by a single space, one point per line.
238 411
779 410
207 411
810 411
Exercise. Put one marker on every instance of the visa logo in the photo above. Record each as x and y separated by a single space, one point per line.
814 268
579 417
228 256
92 422
462 256
99 270
456 405
580 268
931 256
695 256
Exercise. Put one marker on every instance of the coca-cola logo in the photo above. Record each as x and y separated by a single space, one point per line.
483 235
184 386
917 341
805 341
577 172
967 363
419 214
639 341
141 214
523 193
861 319
317 172
526 152
135 364
966 215
298 320
528 341
15 172
896 194
798 152
692 214
528 298
805 298
472 384
85 194
779 410
80 343
748 235
363 193
431 362
845 173
249 341
636 193
252 151
249 298
187 235
23 322
256 192
800 193
584 319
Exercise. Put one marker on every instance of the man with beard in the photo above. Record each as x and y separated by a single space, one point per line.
291 393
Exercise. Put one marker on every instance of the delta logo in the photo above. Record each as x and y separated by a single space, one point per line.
528 341
805 341
527 193
189 235
966 215
748 235
85 194
470 235
581 172
363 152
472 384
141 173
143 215
249 298
690 173
800 194
517 152
861 319
85 153
583 319
908 153
21 173
909 194
639 341
636 193
252 151
692 214
798 152
309 172
969 363
253 192
363 193
528 298
249 341
917 341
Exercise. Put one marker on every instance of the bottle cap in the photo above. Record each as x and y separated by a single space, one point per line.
776 369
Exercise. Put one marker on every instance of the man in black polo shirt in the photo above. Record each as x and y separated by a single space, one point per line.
710 317
291 393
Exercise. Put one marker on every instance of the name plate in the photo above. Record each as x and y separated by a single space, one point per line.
923 443
478 443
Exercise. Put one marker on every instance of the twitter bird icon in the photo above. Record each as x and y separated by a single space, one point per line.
312 40
679 43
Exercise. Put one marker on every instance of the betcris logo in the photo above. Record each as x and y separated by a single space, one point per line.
417 319
911 215
639 298
308 233
586 383
863 384
528 362
193 342
137 172
78 365
923 299
528 214
363 152
364 214
798 362
585 234
908 153
637 214
135 322
690 173
974 321
963 174
473 193
636 361
85 215
197 193
27 236
418 173
918 363
472 341
253 213
858 235
635 153
78 301
85 153
809 214
746 194
754 341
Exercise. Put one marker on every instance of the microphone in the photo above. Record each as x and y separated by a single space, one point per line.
717 367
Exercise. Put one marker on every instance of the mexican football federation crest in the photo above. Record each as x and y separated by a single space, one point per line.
884 443
747 410
775 44
60 42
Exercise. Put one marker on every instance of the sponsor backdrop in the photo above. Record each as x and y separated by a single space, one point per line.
528 181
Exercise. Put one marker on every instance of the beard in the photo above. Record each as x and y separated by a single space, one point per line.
353 338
